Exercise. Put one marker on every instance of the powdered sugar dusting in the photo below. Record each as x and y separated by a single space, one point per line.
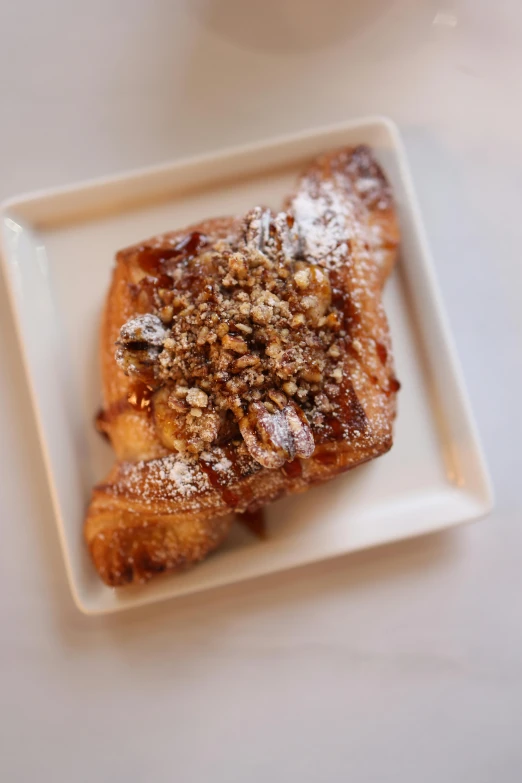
182 477
322 215
223 465
365 184
170 477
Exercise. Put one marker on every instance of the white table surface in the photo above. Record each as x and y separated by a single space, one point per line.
401 664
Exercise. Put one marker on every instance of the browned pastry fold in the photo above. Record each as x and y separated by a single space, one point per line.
315 341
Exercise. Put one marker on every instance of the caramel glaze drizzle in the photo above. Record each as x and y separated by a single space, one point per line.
254 521
219 481
138 399
154 260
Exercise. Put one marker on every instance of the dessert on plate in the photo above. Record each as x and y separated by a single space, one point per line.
243 358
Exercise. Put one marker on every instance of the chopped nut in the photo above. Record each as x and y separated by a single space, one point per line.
197 398
274 350
236 407
309 302
274 437
196 412
248 360
233 343
206 426
334 351
176 402
222 329
237 266
297 320
302 278
235 385
322 403
278 397
262 314
312 376
286 368
290 388
203 335
166 314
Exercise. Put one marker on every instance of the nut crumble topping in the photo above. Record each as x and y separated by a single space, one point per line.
250 345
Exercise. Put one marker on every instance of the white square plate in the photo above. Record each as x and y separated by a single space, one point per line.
58 248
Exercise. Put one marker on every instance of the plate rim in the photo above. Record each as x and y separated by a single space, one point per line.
484 499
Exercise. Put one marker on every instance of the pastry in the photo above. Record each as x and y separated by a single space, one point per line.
243 359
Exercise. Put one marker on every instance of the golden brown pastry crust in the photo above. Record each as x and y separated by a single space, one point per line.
157 511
